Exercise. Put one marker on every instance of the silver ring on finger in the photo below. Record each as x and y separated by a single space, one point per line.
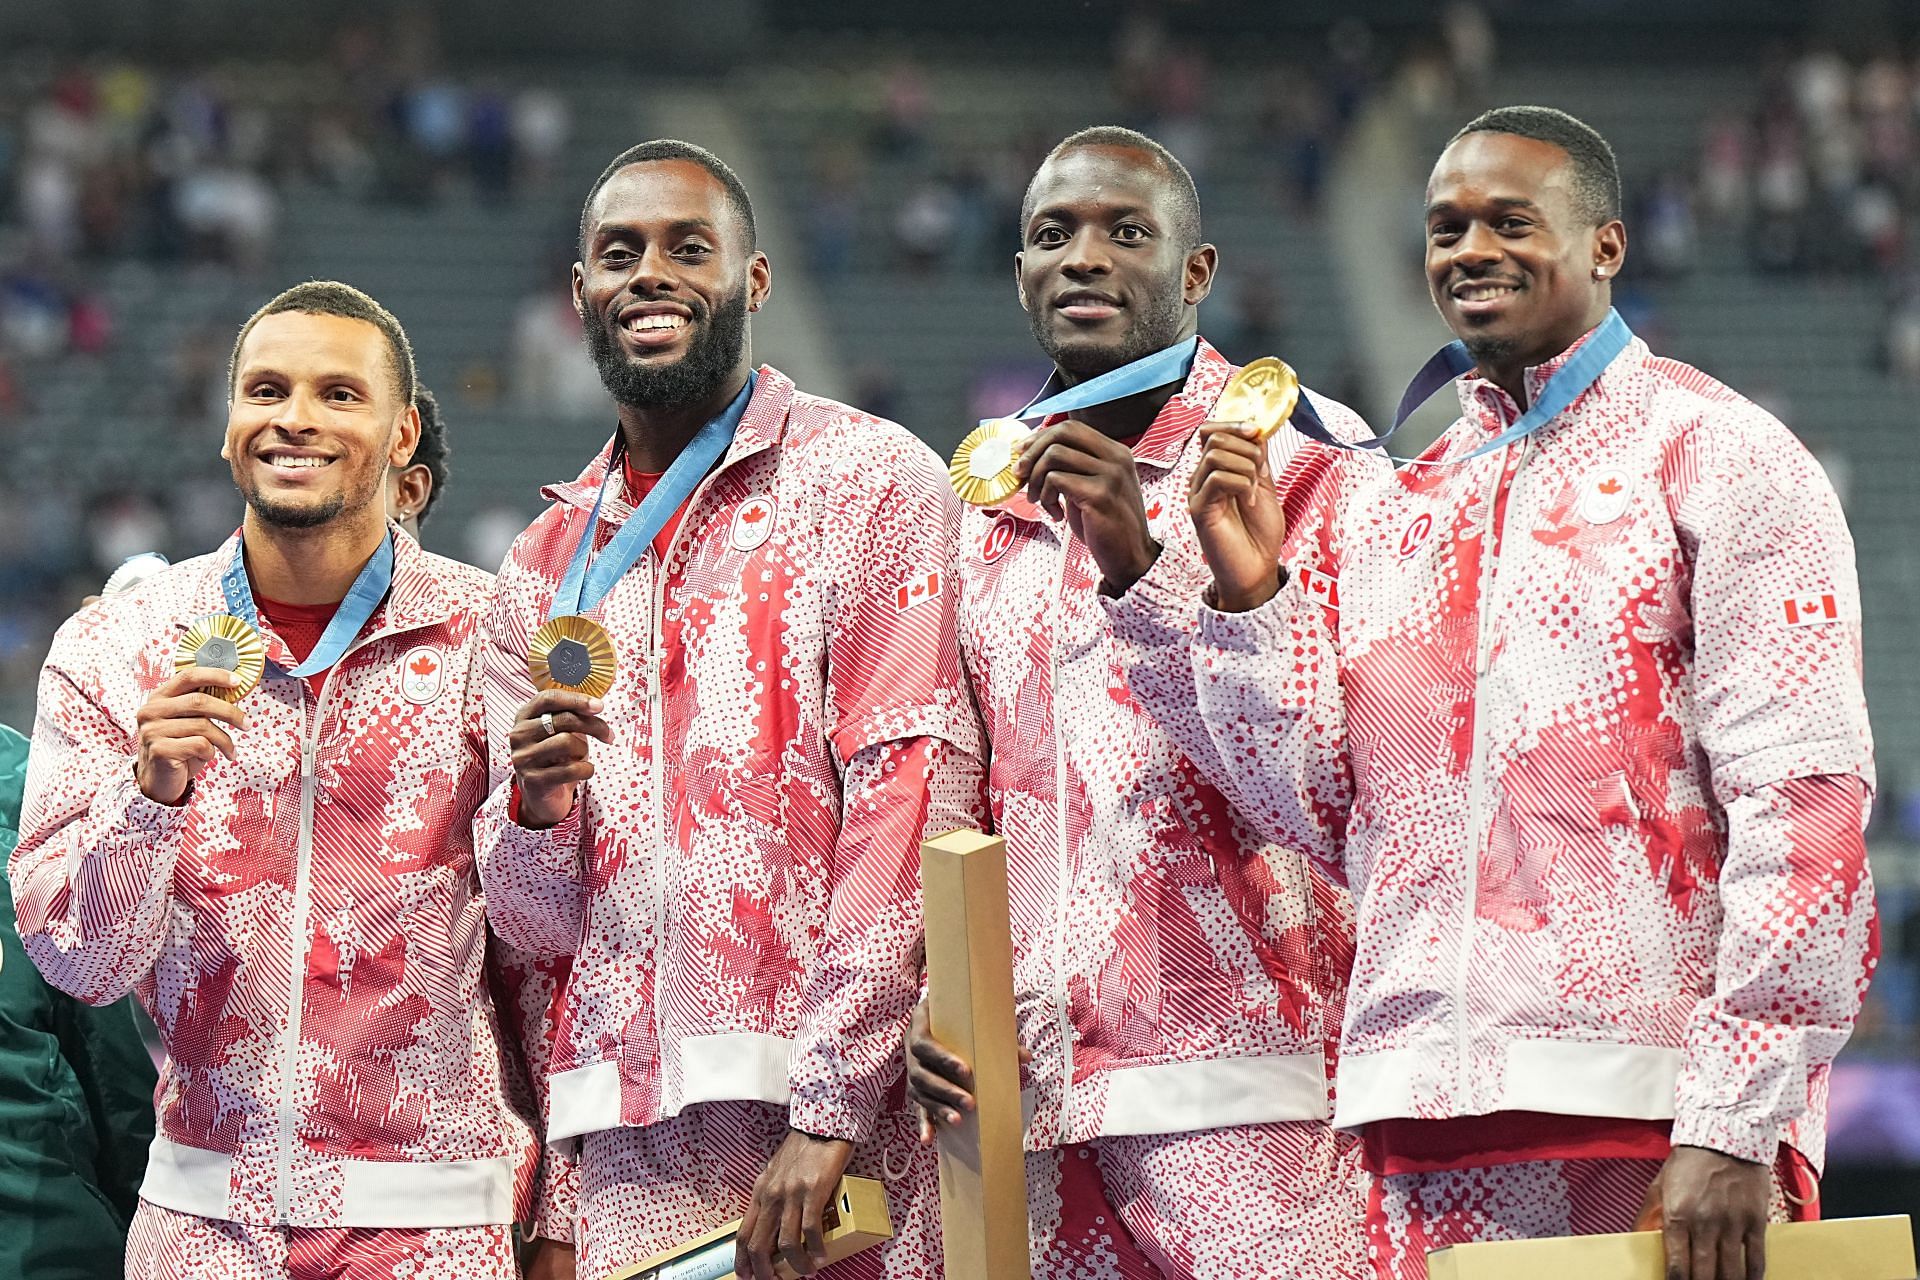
546 722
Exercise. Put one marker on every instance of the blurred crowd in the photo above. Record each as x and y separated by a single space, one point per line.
1818 173
122 183
119 161
942 189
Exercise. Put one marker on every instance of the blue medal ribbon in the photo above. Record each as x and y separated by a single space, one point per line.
590 577
1157 370
1568 384
363 597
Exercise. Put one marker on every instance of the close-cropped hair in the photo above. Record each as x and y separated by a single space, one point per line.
1596 174
674 149
331 298
1186 197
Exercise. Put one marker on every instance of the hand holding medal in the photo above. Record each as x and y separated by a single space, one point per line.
185 723
982 470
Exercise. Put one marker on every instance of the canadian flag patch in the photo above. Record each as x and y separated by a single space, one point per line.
421 673
1811 611
917 591
1323 587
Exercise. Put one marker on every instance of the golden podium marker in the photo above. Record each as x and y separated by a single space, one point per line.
983 1167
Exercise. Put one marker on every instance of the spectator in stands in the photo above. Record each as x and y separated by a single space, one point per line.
926 222
1903 335
551 372
832 214
1669 236
541 126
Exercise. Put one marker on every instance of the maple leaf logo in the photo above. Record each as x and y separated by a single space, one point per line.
1153 512
423 666
754 515
1609 486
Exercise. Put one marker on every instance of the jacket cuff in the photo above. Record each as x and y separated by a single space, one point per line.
1162 608
554 849
1259 629
1726 1133
832 1105
125 806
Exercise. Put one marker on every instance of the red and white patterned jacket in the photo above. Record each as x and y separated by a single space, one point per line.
306 929
1581 722
739 883
1172 970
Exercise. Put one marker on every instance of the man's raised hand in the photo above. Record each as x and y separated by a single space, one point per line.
549 745
180 729
1237 516
1075 473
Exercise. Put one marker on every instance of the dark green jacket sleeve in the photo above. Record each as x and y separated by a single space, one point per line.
76 1101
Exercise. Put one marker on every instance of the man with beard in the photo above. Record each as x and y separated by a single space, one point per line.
734 868
1575 707
1177 979
283 873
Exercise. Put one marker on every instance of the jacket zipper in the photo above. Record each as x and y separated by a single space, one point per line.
302 895
302 915
1492 542
655 658
1063 884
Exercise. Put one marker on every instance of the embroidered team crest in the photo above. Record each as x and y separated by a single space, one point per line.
1811 611
1415 535
917 591
1604 496
422 672
752 524
998 542
1323 587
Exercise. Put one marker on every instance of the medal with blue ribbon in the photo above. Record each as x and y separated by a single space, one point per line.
982 467
572 651
231 641
1568 383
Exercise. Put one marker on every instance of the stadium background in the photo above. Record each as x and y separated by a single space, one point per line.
165 167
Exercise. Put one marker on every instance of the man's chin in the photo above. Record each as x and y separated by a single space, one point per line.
308 514
1086 355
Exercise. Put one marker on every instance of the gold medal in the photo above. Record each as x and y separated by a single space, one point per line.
224 641
572 652
1262 395
982 468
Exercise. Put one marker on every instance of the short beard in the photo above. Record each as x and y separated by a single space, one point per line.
1152 330
1490 350
689 380
288 516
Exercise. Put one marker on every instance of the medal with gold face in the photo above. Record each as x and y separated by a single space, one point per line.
225 642
1262 395
982 468
572 652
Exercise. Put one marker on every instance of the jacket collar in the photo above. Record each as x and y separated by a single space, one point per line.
762 426
1165 438
415 600
1493 410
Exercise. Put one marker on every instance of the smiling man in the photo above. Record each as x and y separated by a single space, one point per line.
287 882
1574 705
1177 977
726 843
